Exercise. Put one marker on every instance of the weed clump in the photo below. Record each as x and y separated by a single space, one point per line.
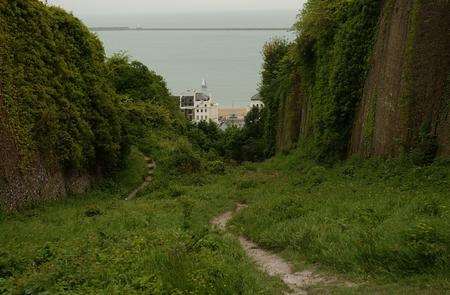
216 167
92 211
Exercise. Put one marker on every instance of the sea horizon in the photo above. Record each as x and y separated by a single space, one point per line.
225 48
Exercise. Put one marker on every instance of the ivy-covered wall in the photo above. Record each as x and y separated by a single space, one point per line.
320 78
362 77
61 119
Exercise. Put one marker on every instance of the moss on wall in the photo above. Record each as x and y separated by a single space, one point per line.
410 69
374 80
323 75
60 115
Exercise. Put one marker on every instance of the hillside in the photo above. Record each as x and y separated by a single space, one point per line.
381 225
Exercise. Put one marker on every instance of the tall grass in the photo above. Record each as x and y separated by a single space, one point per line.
381 223
386 220
160 243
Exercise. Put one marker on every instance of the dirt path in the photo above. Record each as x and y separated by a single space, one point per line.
273 264
151 165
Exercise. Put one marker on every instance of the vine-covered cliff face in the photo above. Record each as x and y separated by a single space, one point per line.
312 86
363 77
406 100
60 118
29 178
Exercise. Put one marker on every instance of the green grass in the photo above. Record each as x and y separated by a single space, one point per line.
382 224
377 222
158 244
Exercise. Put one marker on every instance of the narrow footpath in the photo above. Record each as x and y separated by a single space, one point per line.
151 165
273 264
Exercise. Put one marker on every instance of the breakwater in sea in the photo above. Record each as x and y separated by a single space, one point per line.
98 29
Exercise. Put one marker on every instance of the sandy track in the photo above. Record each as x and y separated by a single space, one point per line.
273 264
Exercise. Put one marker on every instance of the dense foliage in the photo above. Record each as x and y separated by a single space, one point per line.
145 99
246 144
273 87
329 62
67 103
55 88
233 143
136 82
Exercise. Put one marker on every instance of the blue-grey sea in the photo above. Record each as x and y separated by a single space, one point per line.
230 61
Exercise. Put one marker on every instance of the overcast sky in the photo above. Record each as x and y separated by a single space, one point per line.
158 6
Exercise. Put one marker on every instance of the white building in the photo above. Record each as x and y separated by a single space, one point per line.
256 101
199 106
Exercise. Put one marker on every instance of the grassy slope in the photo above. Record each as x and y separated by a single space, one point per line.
158 244
384 224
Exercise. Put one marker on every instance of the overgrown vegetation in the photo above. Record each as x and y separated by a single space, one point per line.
160 243
328 62
382 224
376 221
55 89
232 144
66 105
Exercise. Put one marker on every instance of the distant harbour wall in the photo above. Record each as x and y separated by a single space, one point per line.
100 29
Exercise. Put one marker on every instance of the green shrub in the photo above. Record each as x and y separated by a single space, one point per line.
136 82
246 184
216 167
92 211
175 192
8 265
184 160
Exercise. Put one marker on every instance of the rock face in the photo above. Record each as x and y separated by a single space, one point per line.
406 98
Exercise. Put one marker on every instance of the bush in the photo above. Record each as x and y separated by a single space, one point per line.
216 167
184 160
92 211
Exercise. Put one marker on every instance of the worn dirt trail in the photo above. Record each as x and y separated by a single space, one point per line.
151 165
273 264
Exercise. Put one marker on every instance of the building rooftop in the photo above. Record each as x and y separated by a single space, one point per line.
202 97
256 97
189 92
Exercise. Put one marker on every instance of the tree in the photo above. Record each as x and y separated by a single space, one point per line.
136 82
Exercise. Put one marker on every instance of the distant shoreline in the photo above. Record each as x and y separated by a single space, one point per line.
103 29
